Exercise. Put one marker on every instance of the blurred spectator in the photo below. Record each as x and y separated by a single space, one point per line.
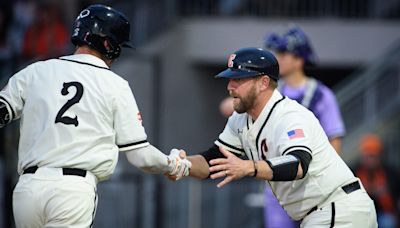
294 53
230 7
4 24
47 36
23 16
226 107
378 179
5 51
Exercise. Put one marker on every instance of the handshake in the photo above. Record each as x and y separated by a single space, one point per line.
178 165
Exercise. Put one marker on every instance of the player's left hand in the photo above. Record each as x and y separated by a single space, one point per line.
231 167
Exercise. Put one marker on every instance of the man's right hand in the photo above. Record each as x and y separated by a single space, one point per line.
178 165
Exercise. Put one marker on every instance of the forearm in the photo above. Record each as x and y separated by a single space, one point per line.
265 172
200 163
200 167
148 159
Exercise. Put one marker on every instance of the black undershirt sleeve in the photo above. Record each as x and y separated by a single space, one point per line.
212 153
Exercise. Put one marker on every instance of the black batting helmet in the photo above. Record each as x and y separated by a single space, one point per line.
97 23
251 62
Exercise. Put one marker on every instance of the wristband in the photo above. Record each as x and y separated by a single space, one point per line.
255 169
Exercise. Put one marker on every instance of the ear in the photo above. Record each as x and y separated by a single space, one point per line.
265 82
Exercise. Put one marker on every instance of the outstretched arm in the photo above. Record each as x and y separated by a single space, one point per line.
200 167
287 168
200 162
150 159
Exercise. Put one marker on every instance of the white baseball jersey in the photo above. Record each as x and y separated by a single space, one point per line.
74 113
284 126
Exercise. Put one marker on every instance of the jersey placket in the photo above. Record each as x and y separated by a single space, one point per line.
249 141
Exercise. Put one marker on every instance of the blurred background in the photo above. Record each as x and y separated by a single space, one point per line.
180 46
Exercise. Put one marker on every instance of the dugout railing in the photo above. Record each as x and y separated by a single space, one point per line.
370 102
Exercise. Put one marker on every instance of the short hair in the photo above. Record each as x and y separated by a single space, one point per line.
272 83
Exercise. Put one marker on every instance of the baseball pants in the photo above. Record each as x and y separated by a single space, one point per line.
52 198
343 210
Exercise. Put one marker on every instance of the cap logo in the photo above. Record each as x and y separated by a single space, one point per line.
76 32
230 60
84 13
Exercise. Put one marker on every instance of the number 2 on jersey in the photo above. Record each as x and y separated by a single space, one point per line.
75 99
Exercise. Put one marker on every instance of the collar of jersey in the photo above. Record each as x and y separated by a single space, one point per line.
87 58
255 126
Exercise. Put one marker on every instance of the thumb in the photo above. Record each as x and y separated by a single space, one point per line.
182 154
225 152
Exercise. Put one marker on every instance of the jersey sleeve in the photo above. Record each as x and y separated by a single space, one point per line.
293 134
229 138
330 116
13 94
130 134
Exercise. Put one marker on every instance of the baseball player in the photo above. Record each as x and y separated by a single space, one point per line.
76 114
294 52
286 146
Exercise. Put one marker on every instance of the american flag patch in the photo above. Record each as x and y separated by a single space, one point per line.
295 134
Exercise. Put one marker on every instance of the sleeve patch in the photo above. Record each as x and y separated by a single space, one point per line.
296 134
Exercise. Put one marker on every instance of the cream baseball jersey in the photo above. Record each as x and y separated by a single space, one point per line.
74 113
284 126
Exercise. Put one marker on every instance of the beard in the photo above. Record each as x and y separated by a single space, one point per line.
244 103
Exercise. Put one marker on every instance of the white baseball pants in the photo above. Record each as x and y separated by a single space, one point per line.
343 210
48 198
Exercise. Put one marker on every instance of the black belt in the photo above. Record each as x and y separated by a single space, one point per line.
66 171
348 188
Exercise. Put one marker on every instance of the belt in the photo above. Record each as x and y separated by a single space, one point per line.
66 171
348 188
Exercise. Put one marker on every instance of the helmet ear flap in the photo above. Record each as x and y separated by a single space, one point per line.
113 50
104 45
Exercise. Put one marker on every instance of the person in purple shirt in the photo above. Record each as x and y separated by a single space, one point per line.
294 52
